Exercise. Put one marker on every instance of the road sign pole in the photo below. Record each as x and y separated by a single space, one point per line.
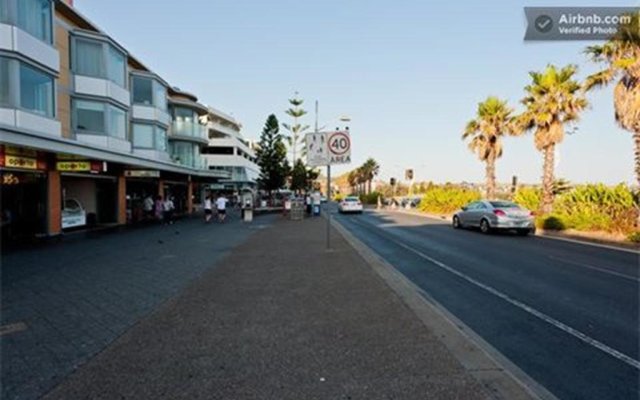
328 206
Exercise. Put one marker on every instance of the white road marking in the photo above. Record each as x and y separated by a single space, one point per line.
593 267
577 241
550 320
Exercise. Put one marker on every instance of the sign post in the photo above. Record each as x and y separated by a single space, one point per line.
327 148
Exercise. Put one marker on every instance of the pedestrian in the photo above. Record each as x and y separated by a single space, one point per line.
147 207
208 209
221 207
168 208
159 208
307 200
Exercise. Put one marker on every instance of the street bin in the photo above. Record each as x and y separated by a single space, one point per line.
297 209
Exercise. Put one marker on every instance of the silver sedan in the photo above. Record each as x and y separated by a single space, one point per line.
493 215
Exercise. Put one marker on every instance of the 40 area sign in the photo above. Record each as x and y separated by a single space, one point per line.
339 144
327 148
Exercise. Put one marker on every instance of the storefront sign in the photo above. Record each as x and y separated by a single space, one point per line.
81 166
10 161
10 179
141 173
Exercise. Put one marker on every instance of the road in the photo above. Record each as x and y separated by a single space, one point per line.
564 313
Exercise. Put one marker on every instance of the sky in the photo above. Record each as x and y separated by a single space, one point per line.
409 74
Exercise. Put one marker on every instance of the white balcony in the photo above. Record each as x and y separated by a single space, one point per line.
188 130
102 88
150 113
30 122
108 142
16 40
155 155
218 127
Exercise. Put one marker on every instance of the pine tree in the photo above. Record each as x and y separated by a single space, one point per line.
272 156
296 129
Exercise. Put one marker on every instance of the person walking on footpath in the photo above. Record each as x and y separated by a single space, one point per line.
208 209
159 208
147 207
168 208
221 207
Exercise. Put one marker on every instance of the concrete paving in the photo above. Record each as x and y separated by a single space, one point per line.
64 302
278 318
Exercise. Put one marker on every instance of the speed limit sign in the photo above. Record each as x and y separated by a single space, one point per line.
339 147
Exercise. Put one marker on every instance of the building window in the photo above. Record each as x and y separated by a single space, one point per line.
149 92
116 69
88 56
34 16
36 91
99 118
90 116
142 90
147 136
142 136
185 153
117 122
99 60
26 87
5 98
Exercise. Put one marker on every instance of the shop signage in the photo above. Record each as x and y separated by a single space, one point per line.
19 162
80 166
141 173
10 179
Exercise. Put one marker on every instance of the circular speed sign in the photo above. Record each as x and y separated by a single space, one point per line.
339 143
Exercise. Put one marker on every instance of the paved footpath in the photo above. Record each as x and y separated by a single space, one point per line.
278 317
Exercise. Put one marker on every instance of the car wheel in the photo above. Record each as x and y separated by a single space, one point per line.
456 222
484 226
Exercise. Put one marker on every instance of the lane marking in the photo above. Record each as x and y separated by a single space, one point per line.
576 241
12 328
593 267
538 314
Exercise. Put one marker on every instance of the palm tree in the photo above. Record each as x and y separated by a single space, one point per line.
352 178
369 170
494 119
622 56
553 99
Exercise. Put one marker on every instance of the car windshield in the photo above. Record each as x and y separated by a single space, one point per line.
503 204
351 199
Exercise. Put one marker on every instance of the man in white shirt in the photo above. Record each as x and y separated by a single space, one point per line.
221 206
208 208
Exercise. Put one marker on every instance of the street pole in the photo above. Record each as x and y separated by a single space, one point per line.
328 207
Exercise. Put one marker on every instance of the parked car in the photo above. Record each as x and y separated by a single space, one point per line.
350 204
73 214
495 215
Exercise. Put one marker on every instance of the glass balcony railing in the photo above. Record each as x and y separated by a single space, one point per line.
188 129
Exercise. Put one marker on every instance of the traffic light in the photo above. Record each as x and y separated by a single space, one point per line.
408 175
392 181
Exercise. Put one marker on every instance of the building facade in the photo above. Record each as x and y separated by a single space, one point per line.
228 151
87 131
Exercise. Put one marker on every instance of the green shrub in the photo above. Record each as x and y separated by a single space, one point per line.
370 198
634 237
551 222
447 199
597 207
529 198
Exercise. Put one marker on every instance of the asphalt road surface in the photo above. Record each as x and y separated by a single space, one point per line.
565 313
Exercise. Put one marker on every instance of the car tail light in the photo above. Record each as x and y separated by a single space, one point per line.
499 213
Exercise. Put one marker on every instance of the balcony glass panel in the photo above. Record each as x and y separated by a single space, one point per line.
34 16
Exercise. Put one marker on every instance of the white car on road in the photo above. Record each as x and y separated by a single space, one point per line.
350 204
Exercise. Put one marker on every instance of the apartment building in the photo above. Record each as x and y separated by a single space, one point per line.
86 129
227 150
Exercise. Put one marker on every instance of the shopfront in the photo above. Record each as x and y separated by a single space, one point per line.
140 185
89 194
23 193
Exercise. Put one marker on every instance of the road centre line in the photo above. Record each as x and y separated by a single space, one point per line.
593 267
530 310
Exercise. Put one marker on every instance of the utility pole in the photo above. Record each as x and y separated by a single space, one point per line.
328 208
